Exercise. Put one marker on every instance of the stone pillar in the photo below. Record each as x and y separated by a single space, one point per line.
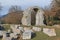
26 20
39 18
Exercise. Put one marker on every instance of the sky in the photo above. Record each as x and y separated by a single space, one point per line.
23 3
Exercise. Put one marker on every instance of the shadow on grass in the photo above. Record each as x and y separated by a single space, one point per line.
33 35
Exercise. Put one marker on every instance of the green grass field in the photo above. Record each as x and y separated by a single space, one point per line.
0 39
41 35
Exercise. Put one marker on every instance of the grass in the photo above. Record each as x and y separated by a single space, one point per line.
6 27
0 39
41 35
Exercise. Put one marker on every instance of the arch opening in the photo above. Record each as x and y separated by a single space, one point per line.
35 9
33 15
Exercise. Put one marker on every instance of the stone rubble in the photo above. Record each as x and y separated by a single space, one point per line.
49 32
36 29
26 32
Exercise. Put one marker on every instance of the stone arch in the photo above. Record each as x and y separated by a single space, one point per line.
32 16
34 11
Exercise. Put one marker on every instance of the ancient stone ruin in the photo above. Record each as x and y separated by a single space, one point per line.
26 20
39 18
33 16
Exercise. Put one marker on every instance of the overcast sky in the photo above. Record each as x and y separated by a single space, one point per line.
23 3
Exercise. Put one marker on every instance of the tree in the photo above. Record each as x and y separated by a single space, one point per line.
58 14
56 10
48 15
14 15
0 8
15 8
58 2
0 11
